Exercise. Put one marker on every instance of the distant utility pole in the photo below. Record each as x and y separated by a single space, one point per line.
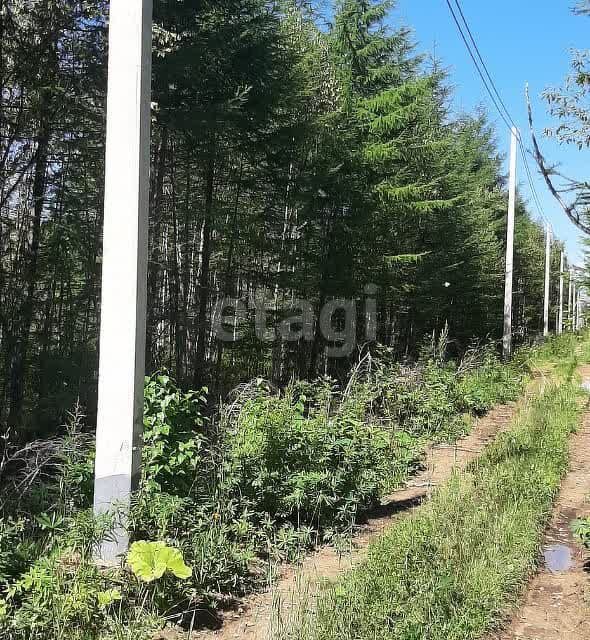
574 308
507 339
560 317
570 298
547 278
124 267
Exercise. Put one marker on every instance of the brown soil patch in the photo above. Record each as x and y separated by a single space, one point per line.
555 606
252 621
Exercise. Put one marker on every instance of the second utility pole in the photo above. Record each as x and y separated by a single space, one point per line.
507 339
569 300
547 278
560 317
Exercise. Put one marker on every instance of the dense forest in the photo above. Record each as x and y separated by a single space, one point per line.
295 157
332 447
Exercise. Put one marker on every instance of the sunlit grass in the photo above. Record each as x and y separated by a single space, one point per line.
449 571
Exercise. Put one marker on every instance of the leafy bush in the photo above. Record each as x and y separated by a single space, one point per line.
58 592
432 398
270 475
423 402
489 384
302 463
175 444
555 347
16 550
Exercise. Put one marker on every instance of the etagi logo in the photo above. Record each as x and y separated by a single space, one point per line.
337 321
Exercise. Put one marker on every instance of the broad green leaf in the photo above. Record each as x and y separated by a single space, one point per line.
175 563
145 561
106 598
149 561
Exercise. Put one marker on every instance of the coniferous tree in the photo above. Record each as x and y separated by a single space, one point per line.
290 161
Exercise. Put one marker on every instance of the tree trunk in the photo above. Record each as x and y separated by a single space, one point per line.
228 290
200 367
154 267
20 346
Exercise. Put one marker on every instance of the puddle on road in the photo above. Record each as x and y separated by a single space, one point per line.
558 558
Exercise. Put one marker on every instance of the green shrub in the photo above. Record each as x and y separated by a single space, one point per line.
302 463
489 384
555 347
431 399
17 549
422 402
58 593
175 442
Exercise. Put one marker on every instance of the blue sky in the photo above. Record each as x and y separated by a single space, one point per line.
521 41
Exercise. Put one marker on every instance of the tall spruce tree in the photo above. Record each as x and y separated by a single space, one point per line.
290 160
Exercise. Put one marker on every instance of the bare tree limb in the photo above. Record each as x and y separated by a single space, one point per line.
570 210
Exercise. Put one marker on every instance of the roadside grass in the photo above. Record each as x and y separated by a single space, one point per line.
273 474
451 569
558 355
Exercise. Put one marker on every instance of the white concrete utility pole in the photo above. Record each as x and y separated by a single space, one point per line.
507 339
574 308
560 316
569 301
547 280
124 268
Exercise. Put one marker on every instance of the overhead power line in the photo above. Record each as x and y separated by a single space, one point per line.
477 67
470 42
483 64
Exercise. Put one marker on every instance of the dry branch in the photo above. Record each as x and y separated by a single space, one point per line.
570 210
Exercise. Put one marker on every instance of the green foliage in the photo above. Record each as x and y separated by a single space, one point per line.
270 133
581 530
436 398
53 476
449 570
15 551
301 463
425 405
149 561
293 467
173 436
58 587
57 592
109 597
288 158
489 384
222 499
556 348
